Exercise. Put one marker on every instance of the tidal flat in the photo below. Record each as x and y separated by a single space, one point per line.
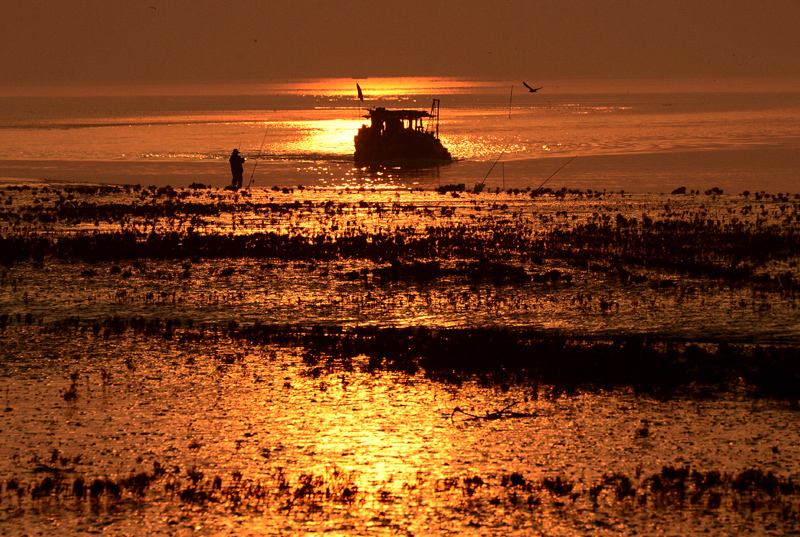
301 360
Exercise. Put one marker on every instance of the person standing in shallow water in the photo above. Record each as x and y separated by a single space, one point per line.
237 169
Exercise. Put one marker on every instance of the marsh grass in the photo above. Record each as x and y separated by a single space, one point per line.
748 492
493 356
503 259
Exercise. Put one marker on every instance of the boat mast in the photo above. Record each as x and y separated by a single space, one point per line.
435 116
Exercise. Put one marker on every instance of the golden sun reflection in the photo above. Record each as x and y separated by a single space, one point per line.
325 136
373 435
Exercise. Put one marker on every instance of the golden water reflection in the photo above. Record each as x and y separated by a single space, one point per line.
327 136
315 442
393 441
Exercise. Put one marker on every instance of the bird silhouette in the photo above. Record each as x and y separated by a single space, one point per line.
532 90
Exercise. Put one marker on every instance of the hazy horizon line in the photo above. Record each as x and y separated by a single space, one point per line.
413 84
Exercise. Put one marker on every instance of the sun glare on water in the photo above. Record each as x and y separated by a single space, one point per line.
325 136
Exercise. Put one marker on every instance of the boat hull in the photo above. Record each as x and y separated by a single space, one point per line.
403 148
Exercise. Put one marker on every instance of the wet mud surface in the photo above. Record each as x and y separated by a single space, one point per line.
293 360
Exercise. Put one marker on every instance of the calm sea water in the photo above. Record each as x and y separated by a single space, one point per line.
640 136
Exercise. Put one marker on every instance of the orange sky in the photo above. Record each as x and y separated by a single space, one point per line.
178 41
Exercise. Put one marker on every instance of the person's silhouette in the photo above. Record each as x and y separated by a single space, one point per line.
237 169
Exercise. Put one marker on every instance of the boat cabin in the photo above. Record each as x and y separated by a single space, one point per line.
401 137
390 121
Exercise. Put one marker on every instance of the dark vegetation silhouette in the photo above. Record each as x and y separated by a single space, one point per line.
674 488
458 239
751 245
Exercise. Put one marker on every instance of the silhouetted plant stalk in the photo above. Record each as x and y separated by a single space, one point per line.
735 246
675 488
495 356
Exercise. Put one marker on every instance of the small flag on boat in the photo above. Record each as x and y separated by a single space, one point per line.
360 95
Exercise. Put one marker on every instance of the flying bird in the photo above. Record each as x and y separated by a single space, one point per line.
532 90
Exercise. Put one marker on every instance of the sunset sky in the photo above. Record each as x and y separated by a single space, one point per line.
186 41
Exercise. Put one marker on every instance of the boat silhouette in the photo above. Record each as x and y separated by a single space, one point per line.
401 138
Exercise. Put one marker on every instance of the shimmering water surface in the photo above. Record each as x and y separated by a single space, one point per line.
392 439
641 136
348 290
290 360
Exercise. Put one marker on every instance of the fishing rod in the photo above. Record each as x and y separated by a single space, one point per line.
498 159
260 151
558 170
